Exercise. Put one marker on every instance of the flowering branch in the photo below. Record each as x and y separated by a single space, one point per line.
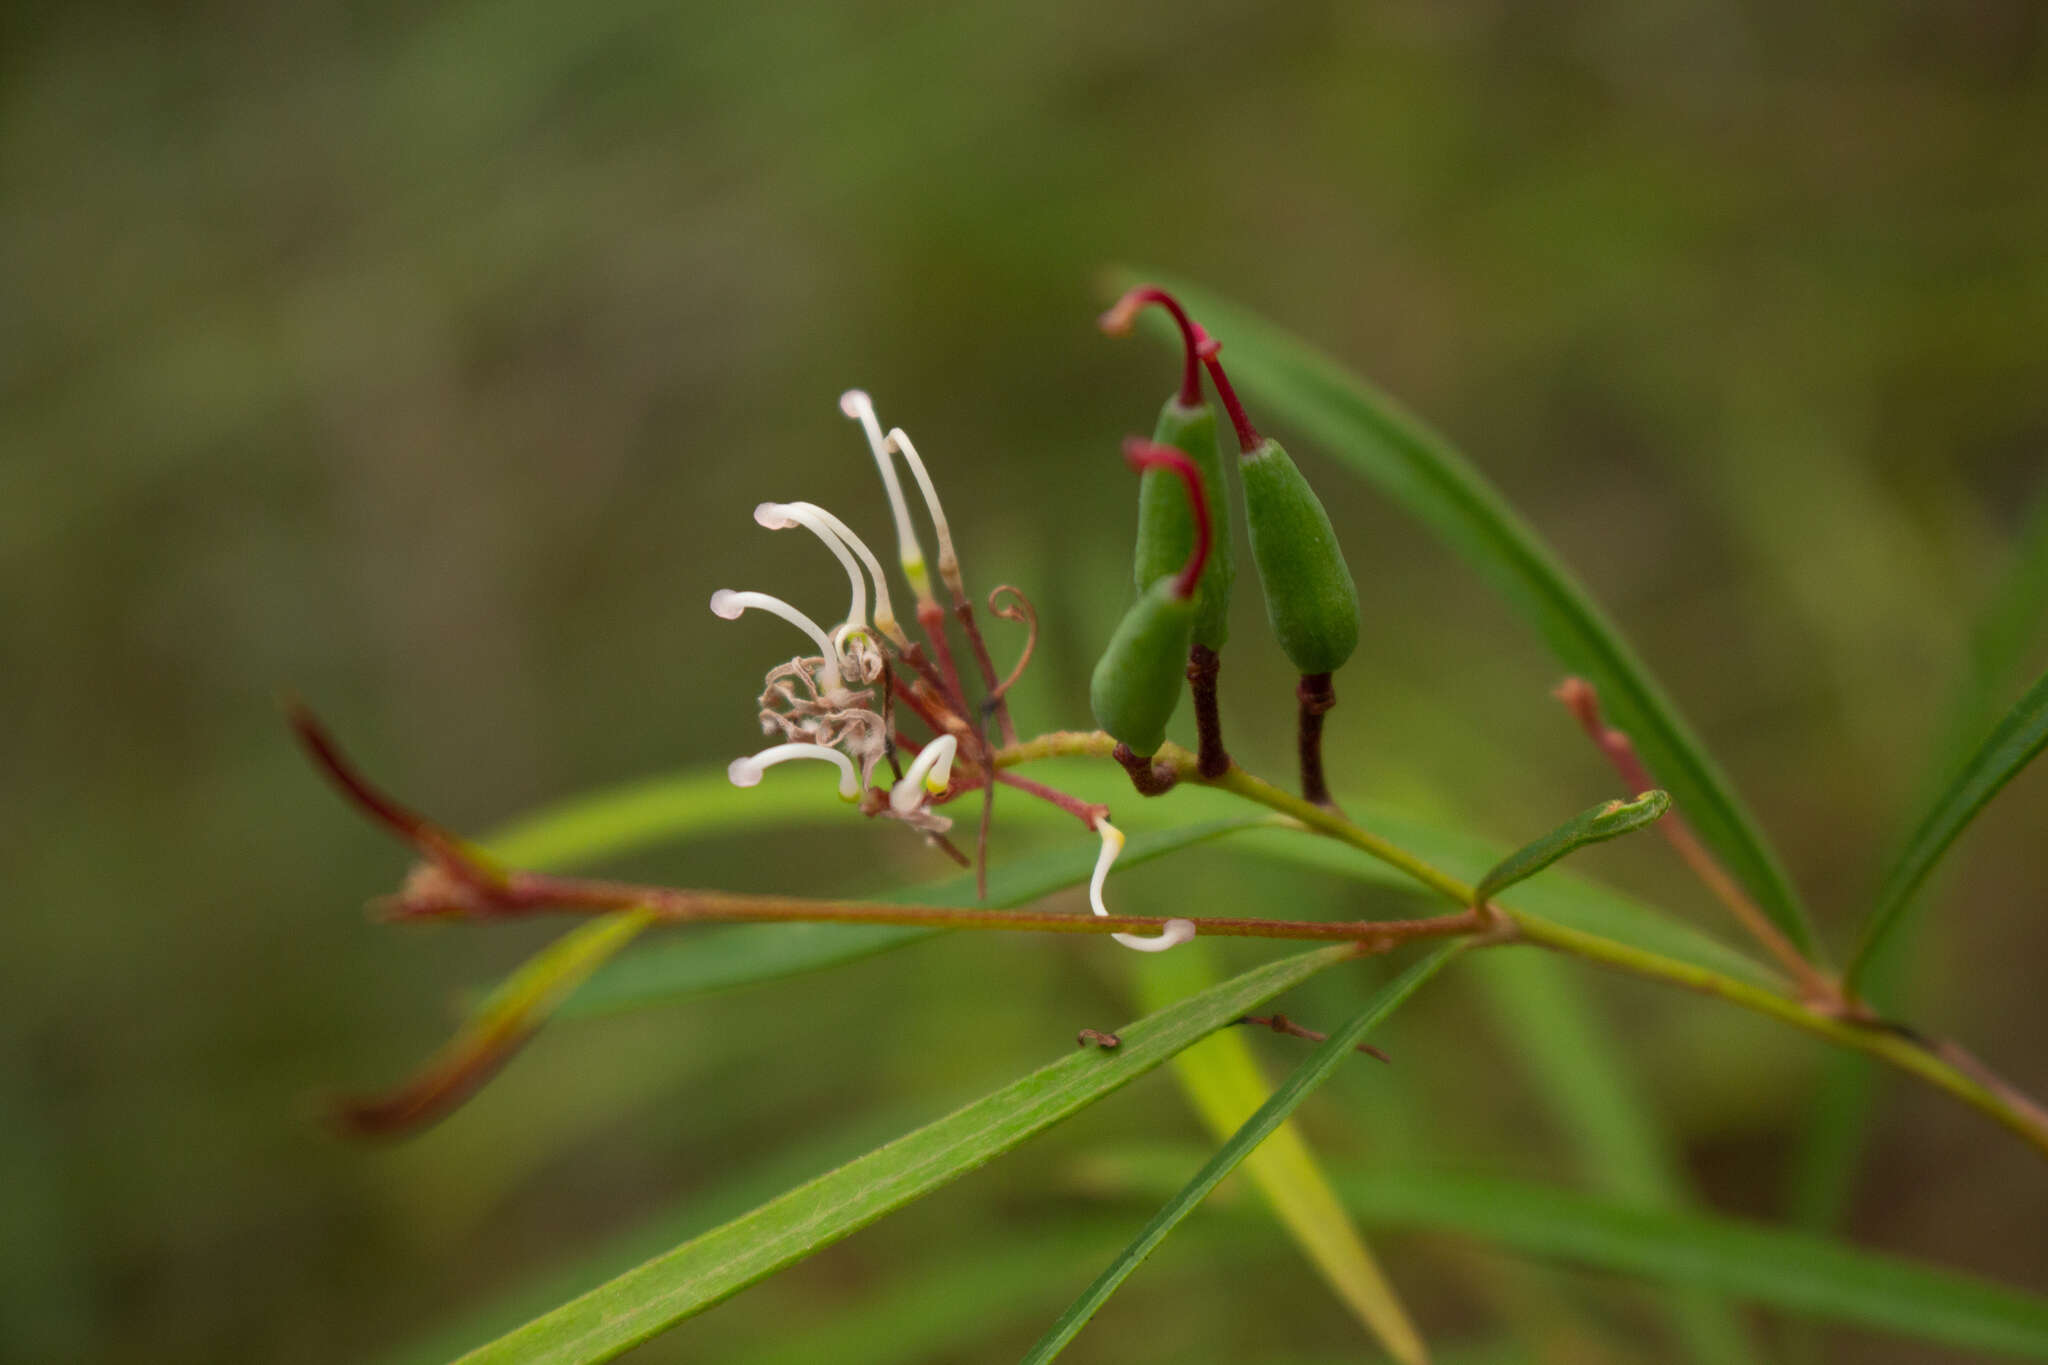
1932 1060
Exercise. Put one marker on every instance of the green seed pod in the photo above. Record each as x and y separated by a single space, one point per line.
1166 526
1137 681
1166 529
1310 597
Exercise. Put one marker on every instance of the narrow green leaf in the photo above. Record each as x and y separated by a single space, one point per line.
497 1028
621 819
2007 630
2009 748
722 959
785 1158
1226 1085
1793 1271
662 1292
1796 1272
1420 471
1255 1130
1576 1069
1823 1171
1608 820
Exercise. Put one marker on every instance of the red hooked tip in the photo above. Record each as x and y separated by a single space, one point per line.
1117 322
327 756
450 854
1583 702
1142 455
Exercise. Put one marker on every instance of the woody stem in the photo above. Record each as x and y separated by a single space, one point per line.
1929 1059
1204 663
1316 695
527 893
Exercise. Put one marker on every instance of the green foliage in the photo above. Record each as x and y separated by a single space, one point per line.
1333 1052
1622 1147
1225 1085
498 1026
453 328
1824 1171
1134 691
1608 820
640 1303
1796 1272
1421 473
2017 740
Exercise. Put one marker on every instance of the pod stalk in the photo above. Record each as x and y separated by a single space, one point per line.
1247 434
1317 695
1212 759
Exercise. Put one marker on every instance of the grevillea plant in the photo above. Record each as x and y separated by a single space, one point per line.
910 718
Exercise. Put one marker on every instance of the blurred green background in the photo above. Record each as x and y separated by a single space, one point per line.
428 361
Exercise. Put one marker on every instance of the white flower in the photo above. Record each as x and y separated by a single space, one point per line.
929 774
856 404
840 538
949 562
729 605
746 771
1176 932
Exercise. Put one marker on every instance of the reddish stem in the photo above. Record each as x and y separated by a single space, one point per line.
1280 1023
1087 812
1117 322
932 618
1247 434
1149 778
1583 701
1316 695
443 849
531 893
992 693
1142 455
1213 760
909 695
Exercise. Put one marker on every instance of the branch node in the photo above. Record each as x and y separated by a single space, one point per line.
1149 777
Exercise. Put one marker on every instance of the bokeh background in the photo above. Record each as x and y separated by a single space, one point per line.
428 360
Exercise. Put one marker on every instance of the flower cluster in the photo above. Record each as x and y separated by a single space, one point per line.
835 705
840 705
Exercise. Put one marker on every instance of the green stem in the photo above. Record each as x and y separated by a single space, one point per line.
1988 1095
